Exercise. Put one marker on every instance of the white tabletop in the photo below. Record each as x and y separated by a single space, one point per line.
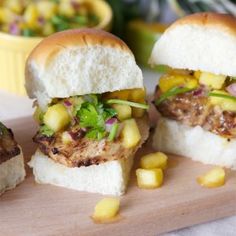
13 107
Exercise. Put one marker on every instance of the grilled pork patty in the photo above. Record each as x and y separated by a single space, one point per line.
85 152
194 110
8 146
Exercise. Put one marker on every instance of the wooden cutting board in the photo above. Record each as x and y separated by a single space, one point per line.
33 209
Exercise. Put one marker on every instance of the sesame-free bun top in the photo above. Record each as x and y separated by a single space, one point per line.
78 62
202 41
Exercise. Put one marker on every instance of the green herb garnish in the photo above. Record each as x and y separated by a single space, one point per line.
113 132
222 96
123 102
28 32
93 114
45 130
171 92
3 129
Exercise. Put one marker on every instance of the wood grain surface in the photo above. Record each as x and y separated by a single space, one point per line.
33 209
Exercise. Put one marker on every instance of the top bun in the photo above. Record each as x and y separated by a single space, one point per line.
78 62
202 41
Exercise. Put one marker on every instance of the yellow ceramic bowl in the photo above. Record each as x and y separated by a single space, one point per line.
15 49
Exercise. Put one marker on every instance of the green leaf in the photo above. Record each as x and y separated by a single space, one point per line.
113 132
89 116
45 130
96 134
222 96
171 92
28 32
124 102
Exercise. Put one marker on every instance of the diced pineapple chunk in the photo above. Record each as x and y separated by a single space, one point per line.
212 179
56 117
179 72
123 94
197 74
225 103
137 112
168 81
46 9
48 29
66 9
106 209
31 15
137 94
154 160
14 5
211 80
149 179
66 137
130 134
123 111
6 15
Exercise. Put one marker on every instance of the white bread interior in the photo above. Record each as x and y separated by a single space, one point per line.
202 41
78 62
108 178
12 172
194 142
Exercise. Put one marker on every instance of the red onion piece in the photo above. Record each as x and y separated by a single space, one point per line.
67 103
232 89
111 121
14 29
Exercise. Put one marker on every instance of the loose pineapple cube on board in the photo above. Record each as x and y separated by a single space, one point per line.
154 160
130 134
123 111
211 80
149 179
56 117
212 179
106 209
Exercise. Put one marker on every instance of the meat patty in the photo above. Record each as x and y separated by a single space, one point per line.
8 146
194 110
84 151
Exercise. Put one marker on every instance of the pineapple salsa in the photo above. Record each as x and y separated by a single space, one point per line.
95 116
220 89
44 17
199 98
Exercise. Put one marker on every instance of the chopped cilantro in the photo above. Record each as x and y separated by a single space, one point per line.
93 114
45 130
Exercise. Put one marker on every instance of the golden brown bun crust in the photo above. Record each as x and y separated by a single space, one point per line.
222 21
51 45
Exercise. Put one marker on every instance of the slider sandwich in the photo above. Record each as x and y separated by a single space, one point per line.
12 171
196 98
91 110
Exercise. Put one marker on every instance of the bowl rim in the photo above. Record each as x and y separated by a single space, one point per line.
102 24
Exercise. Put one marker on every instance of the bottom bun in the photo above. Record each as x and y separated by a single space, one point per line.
12 172
200 145
108 178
